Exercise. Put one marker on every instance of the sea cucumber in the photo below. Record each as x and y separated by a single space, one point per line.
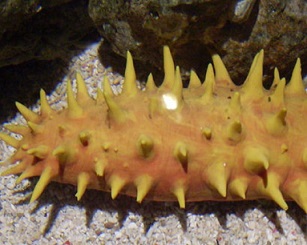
211 141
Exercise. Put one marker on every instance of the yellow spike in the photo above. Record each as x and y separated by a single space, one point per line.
115 112
143 184
276 124
106 146
256 160
234 131
30 171
17 129
74 109
45 107
179 191
177 87
277 98
27 114
116 183
84 137
296 85
150 84
100 167
208 85
207 132
194 80
235 103
284 148
238 187
129 86
82 94
10 140
251 69
17 169
217 177
64 154
100 98
40 151
145 145
276 78
252 86
83 181
297 191
43 181
169 68
271 189
181 154
35 128
221 73
107 90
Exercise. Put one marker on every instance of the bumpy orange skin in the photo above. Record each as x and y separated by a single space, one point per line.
213 166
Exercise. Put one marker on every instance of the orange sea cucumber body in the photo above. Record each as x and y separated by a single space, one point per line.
211 141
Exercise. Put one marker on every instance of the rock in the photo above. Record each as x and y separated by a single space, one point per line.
41 30
37 40
195 29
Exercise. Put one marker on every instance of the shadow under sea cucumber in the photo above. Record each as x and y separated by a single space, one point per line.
212 141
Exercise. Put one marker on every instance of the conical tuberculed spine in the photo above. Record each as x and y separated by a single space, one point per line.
30 171
206 132
150 84
216 176
17 169
179 191
74 109
100 167
234 131
252 86
238 187
83 181
82 95
17 129
145 145
35 128
296 85
64 154
194 80
297 190
116 183
181 154
129 86
43 181
276 124
143 184
10 140
27 114
40 151
45 107
85 137
169 68
209 83
115 112
221 73
271 189
256 160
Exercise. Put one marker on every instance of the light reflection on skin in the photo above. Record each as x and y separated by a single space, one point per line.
170 101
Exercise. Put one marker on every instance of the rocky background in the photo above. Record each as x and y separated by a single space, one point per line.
38 38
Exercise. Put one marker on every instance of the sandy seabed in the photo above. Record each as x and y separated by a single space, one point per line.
58 218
